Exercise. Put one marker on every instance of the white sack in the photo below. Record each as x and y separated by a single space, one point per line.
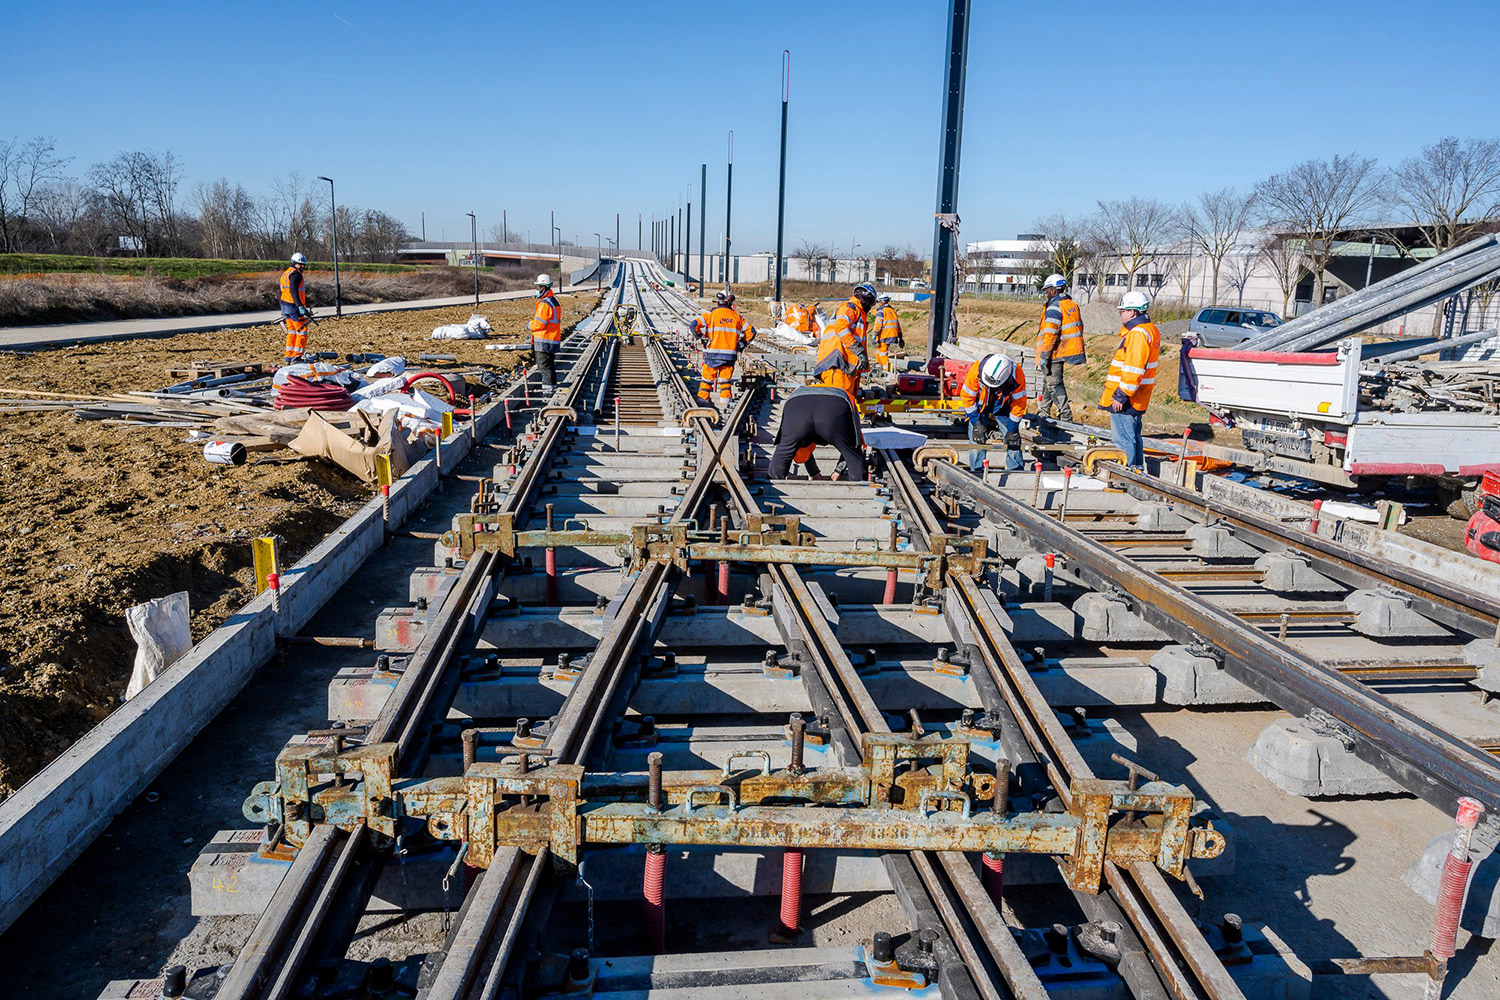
389 366
477 328
380 387
162 634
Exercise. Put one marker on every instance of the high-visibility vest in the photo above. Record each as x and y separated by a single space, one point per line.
980 398
546 322
839 364
1059 336
799 318
1132 371
290 297
724 333
849 321
884 324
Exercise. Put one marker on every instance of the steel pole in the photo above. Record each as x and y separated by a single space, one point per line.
786 93
638 230
945 237
702 222
598 260
728 205
677 243
687 257
333 219
474 254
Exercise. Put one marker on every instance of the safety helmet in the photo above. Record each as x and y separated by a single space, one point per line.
995 370
1055 281
721 298
864 289
545 280
727 296
299 258
1135 300
886 299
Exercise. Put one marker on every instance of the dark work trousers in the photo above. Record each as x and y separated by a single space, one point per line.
546 363
816 415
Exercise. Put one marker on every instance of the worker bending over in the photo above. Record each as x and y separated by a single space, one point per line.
885 332
994 399
724 333
814 415
1132 376
799 318
841 351
295 315
1059 342
546 331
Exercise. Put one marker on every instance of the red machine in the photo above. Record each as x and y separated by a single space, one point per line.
951 372
1483 534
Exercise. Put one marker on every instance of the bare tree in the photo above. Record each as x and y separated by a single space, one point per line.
1450 190
24 168
58 208
121 185
1286 260
811 255
1314 200
1213 226
1060 247
1131 231
226 215
1238 270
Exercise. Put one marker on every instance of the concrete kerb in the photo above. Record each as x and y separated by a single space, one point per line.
49 821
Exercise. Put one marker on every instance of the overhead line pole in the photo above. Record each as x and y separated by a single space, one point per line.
945 227
728 206
702 222
786 93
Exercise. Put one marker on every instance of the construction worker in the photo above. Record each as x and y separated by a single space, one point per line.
295 315
1059 342
885 332
724 333
798 317
1132 376
994 400
546 331
814 415
841 351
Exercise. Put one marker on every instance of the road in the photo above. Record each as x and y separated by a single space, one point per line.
65 334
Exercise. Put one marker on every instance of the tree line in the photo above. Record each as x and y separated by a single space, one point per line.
1448 193
133 204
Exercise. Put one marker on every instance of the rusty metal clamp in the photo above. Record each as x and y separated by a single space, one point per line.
724 790
765 759
949 795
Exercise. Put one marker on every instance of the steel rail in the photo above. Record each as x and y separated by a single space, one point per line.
1152 958
1465 610
282 938
1426 760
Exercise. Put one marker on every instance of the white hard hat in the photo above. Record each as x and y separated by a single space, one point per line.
995 370
885 298
545 280
1135 300
299 258
1055 281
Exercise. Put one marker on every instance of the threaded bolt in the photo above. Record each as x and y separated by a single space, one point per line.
653 780
470 739
799 740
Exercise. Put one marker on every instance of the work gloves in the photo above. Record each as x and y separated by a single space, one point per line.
303 312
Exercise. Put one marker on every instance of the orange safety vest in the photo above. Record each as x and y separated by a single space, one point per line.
546 322
298 298
1132 371
841 352
724 333
799 318
1059 337
885 325
976 396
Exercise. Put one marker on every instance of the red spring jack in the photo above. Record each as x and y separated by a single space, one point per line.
655 910
994 876
790 925
1442 945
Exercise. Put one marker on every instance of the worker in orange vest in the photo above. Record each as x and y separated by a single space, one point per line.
546 330
841 351
798 317
295 315
885 332
1132 376
994 401
724 333
1059 342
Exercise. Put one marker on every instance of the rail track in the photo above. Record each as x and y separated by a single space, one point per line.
630 612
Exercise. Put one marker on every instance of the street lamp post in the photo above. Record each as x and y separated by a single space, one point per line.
333 220
598 260
556 235
786 93
474 254
728 206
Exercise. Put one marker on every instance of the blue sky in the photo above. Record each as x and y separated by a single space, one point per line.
446 107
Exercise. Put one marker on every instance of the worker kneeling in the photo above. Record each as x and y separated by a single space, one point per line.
994 399
814 415
724 333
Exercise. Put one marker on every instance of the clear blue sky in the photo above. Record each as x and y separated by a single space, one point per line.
446 107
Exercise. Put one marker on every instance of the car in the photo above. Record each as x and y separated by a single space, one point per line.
1226 326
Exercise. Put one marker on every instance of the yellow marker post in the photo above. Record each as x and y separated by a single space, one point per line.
383 477
447 423
264 551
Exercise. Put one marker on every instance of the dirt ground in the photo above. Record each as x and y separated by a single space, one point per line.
97 518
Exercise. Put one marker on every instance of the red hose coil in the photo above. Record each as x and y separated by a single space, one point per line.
655 911
301 393
419 376
791 891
